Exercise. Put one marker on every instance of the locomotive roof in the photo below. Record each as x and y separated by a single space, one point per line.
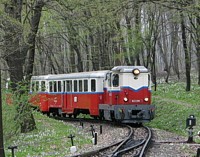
127 69
91 74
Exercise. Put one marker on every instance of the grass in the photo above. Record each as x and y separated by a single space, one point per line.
177 91
173 106
50 139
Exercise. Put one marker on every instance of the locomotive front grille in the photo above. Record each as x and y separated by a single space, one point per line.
135 112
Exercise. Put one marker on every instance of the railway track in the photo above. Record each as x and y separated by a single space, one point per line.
134 144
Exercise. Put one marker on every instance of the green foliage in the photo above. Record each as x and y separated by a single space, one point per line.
19 99
177 91
10 126
50 139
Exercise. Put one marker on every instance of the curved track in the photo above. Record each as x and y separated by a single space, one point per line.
130 146
134 145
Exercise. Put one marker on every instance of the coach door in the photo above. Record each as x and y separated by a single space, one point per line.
61 91
109 88
69 96
113 88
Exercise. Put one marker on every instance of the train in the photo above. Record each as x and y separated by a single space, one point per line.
122 94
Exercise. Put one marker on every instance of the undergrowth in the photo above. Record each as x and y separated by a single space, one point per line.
174 105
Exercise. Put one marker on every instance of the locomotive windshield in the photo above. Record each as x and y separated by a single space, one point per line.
115 80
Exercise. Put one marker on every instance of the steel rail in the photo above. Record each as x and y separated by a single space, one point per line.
147 142
144 143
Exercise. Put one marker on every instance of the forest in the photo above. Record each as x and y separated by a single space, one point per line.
61 36
40 37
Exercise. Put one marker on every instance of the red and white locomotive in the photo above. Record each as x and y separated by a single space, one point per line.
122 94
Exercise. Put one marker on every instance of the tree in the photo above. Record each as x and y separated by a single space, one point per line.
16 48
187 56
2 153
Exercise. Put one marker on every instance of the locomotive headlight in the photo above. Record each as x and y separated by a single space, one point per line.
136 71
146 99
125 99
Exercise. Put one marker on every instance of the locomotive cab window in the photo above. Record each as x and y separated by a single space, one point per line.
115 81
149 81
108 78
93 85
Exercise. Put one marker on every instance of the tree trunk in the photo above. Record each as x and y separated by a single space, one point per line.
187 56
174 44
198 46
35 20
15 53
94 55
2 153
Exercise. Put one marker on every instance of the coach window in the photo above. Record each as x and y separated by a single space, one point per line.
50 86
85 85
69 86
55 86
93 85
59 86
37 85
75 85
80 86
33 86
43 87
115 80
64 86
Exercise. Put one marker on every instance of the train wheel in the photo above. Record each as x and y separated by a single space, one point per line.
102 118
70 115
112 115
59 115
75 115
64 114
101 115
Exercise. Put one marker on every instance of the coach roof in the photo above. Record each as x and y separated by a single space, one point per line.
41 77
80 75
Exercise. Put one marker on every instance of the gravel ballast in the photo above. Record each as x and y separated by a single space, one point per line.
164 144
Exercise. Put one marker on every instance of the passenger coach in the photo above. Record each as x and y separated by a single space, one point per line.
122 94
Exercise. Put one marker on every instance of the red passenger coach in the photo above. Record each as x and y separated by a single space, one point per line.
122 94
